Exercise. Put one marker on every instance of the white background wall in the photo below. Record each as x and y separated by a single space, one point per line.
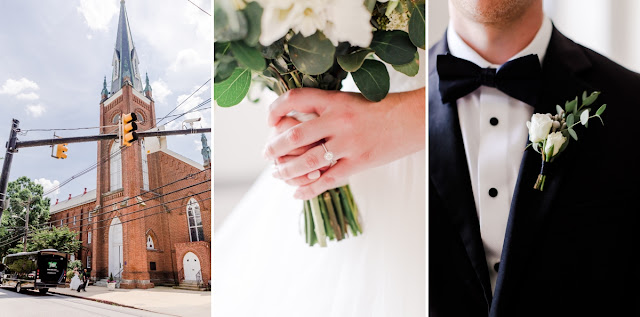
611 28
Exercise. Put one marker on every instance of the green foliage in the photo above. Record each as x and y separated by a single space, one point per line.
61 239
410 69
372 79
111 279
248 56
229 25
311 55
77 264
417 24
22 193
352 61
231 91
253 13
393 47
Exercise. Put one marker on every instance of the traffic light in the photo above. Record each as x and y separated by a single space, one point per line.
129 128
61 151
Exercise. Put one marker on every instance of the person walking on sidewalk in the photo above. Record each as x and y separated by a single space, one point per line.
85 280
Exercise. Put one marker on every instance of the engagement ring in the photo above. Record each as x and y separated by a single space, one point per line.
328 155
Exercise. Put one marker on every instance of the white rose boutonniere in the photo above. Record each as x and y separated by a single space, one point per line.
549 134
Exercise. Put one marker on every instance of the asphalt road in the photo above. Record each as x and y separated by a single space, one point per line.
32 303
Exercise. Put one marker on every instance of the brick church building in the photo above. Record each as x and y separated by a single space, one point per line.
148 222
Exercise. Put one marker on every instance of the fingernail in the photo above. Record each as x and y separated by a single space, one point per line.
314 175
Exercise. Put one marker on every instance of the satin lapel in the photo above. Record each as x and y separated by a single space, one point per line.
449 173
530 207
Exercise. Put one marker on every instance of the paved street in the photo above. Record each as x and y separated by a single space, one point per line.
35 304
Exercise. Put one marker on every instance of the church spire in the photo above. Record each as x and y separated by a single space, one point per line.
125 58
105 92
147 87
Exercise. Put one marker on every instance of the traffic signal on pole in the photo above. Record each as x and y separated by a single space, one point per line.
129 128
61 151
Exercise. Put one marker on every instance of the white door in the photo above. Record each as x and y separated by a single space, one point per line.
115 246
191 266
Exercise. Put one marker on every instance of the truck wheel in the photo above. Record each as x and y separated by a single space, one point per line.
43 290
18 288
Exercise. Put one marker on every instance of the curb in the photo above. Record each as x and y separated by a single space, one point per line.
110 303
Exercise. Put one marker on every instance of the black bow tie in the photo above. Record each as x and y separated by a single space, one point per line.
518 78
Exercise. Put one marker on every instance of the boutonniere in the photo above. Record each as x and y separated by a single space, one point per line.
550 134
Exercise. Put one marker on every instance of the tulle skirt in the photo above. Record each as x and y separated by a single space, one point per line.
262 266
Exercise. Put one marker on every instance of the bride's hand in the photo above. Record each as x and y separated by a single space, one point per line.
361 134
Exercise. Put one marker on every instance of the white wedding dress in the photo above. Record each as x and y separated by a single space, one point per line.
262 266
75 282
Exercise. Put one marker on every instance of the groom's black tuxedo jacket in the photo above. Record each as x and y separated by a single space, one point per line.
572 250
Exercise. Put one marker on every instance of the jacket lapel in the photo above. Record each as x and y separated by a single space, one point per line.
529 208
449 173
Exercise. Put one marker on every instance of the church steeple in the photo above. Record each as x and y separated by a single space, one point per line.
147 87
105 92
125 58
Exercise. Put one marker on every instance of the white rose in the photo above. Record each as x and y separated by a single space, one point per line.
539 127
555 139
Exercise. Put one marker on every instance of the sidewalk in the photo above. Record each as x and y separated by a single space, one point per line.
164 300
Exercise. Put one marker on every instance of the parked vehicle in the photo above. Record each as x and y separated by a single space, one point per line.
39 270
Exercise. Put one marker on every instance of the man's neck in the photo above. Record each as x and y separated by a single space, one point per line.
498 42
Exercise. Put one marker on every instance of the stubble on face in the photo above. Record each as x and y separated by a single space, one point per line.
495 12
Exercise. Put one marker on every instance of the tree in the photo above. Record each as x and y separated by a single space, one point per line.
61 239
23 193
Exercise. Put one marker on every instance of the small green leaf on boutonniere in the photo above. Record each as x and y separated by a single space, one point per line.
586 101
573 134
571 106
570 120
559 109
584 117
601 110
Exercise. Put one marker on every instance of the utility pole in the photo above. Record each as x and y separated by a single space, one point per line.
26 224
4 177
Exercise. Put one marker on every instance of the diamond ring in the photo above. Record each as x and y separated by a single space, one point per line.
328 155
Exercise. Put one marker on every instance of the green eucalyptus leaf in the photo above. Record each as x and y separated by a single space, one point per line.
309 81
231 91
600 119
248 56
393 47
411 69
311 55
370 4
417 24
229 24
572 105
372 79
273 51
589 100
223 70
570 119
351 62
573 134
601 110
558 109
584 95
253 14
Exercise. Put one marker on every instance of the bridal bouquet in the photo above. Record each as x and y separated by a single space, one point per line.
288 44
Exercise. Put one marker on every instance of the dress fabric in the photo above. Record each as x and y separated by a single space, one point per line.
262 266
75 282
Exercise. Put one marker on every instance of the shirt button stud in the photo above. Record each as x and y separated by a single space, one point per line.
493 121
493 192
496 267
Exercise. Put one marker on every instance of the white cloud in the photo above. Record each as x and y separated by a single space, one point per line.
89 36
29 96
188 59
47 185
98 13
160 90
189 105
14 87
35 110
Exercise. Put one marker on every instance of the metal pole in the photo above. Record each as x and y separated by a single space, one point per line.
26 224
4 177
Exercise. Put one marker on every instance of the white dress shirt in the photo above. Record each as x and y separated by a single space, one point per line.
494 133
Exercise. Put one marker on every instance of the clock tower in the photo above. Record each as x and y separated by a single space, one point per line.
123 173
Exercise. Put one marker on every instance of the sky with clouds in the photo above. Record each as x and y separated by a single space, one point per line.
55 54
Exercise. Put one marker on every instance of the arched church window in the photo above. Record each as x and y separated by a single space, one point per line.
150 244
116 119
194 219
115 166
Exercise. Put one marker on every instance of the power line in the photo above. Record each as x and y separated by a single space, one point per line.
174 109
190 110
200 8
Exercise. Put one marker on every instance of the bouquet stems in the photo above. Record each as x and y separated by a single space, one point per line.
331 216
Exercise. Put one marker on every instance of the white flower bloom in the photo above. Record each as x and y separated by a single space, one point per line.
539 127
555 139
348 21
278 17
312 17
